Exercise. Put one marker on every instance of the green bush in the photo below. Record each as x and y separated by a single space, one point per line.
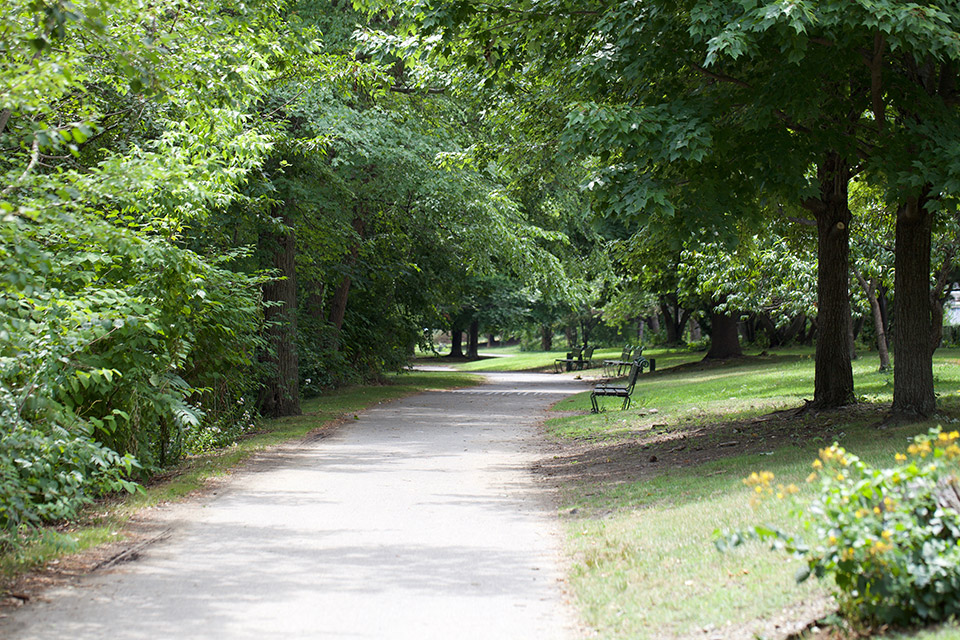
888 537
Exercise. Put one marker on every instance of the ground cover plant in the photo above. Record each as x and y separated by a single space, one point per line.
643 492
888 536
105 521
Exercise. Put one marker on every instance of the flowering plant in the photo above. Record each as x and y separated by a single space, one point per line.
889 537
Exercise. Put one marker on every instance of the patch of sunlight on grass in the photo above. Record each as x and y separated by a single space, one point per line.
645 565
732 390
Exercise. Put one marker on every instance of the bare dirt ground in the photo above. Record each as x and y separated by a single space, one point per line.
421 519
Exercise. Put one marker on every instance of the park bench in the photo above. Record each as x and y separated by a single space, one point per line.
568 362
586 359
614 368
619 391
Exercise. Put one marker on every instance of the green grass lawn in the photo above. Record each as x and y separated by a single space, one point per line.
511 358
735 389
641 504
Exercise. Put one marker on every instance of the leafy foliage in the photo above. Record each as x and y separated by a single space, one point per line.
889 537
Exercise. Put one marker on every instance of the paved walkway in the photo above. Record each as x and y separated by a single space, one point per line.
419 520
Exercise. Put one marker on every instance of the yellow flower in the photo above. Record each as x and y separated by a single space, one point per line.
812 477
817 464
832 539
758 489
839 477
876 510
900 457
887 534
792 488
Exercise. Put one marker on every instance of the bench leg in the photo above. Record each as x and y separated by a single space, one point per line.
626 403
594 407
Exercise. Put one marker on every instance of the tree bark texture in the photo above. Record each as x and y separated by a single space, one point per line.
280 394
473 340
675 319
546 337
833 382
913 370
724 337
456 343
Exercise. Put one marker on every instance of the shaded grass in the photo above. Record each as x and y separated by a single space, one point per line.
642 538
646 566
735 389
104 521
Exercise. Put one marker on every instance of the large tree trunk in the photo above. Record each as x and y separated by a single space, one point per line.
833 382
473 340
546 337
280 393
870 291
675 318
456 344
724 337
913 371
654 322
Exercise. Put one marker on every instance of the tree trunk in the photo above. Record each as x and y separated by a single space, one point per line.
456 344
473 340
675 319
833 382
913 393
280 393
491 340
696 333
314 306
338 306
724 337
546 337
870 291
654 322
571 335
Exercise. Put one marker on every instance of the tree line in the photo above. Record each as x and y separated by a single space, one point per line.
211 209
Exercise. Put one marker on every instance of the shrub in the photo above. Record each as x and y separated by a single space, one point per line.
889 537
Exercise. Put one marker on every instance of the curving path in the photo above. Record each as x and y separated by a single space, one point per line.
419 520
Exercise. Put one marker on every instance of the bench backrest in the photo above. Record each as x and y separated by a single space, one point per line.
575 352
625 354
637 352
635 370
588 352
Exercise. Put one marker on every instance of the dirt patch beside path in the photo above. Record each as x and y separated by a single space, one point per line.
663 447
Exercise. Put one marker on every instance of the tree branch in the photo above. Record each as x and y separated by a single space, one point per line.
34 158
722 77
876 78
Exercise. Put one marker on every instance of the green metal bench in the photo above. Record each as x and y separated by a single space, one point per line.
613 368
568 362
616 390
586 359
